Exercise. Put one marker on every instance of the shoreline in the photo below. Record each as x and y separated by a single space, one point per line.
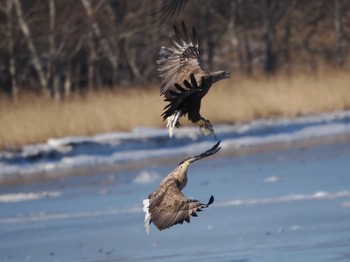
103 169
150 147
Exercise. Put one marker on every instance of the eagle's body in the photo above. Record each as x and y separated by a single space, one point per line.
167 206
184 83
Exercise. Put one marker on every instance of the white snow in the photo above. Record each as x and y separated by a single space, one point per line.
28 196
346 204
320 195
271 179
146 177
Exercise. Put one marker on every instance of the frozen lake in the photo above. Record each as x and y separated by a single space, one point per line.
291 203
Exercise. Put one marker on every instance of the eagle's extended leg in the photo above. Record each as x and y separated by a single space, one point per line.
205 127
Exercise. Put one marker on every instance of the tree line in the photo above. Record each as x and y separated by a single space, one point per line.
58 47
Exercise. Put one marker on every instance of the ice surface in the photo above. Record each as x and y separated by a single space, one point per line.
291 204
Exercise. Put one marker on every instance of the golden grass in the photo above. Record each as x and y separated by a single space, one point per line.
246 99
35 119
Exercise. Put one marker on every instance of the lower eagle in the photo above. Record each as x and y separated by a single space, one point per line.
167 205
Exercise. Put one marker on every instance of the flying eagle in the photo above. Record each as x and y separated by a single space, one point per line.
167 9
167 206
184 83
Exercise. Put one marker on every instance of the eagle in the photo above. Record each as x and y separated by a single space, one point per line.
184 83
167 205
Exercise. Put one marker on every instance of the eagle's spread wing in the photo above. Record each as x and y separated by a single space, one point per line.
207 153
167 9
170 207
177 63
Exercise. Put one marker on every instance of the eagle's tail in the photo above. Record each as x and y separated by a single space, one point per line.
173 121
147 215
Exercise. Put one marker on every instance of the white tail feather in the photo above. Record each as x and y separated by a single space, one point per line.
172 120
147 215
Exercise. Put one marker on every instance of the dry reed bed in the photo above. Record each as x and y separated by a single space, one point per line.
248 99
35 119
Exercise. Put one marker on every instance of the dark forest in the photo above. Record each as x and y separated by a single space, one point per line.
58 47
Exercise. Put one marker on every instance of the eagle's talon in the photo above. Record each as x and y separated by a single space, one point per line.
205 127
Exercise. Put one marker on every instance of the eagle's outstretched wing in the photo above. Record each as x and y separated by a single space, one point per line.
171 207
177 63
207 153
167 9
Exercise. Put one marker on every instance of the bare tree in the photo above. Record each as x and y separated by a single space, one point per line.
30 42
54 45
234 32
8 10
52 73
267 36
339 33
106 47
313 17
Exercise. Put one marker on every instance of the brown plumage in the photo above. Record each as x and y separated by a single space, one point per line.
184 83
167 206
168 9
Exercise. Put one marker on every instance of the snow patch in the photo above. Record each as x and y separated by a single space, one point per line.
19 197
146 177
271 179
295 227
346 204
321 195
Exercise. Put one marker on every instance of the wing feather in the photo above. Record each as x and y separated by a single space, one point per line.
167 9
173 208
177 63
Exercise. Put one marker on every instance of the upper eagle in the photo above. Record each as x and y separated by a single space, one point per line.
184 83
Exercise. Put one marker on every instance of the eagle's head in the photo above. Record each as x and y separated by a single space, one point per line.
219 75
